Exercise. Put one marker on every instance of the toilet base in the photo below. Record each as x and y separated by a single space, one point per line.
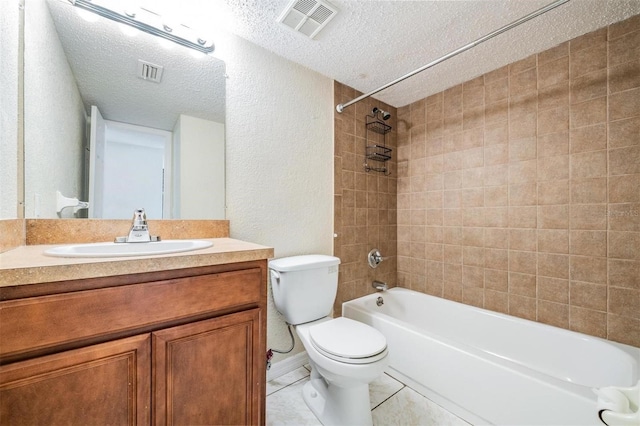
334 405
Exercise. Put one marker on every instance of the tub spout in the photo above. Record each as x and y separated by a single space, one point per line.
619 406
379 285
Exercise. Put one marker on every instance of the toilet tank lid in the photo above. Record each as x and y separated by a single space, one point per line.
300 263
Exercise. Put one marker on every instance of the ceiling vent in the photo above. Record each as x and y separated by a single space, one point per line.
307 16
150 72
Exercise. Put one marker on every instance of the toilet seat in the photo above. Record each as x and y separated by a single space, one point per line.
349 341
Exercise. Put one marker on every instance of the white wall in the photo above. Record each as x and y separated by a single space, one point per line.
201 169
9 32
279 123
54 117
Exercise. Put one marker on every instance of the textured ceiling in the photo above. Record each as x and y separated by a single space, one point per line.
368 44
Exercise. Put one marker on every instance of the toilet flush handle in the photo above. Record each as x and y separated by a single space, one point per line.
275 276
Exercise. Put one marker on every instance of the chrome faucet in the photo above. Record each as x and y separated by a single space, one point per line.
380 286
139 232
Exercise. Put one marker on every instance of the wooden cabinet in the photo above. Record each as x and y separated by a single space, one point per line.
179 347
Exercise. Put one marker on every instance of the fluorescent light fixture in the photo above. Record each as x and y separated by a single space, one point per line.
149 22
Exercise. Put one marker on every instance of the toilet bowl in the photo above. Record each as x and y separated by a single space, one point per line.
345 355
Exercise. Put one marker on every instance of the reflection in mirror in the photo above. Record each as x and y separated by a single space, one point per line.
73 64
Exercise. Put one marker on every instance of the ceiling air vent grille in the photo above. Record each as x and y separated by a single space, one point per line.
307 16
150 72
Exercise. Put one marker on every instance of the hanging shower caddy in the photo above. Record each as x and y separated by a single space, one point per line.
376 148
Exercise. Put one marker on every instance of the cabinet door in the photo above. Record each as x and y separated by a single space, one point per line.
102 384
208 372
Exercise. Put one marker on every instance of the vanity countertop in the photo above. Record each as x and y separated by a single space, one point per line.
28 265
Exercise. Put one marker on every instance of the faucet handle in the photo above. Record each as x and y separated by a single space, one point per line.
375 258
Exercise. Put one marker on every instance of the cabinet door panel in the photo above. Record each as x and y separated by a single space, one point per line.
102 384
205 373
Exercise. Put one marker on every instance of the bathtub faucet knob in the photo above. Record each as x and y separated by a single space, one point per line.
375 258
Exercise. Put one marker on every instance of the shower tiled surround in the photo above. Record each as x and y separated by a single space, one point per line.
517 191
365 202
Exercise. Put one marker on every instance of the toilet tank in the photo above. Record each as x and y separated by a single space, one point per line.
304 287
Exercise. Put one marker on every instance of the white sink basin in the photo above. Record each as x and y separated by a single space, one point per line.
127 249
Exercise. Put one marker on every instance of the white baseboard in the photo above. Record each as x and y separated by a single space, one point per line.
287 365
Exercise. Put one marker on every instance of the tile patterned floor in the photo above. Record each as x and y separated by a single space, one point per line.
392 403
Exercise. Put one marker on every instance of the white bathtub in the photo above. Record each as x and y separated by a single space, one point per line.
490 368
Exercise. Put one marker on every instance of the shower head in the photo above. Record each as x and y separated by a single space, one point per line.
384 114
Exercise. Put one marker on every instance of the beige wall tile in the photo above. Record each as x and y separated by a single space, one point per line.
522 261
588 216
624 245
589 243
624 273
554 120
624 160
496 238
496 154
624 77
553 240
553 144
522 217
522 239
554 96
589 86
624 189
523 307
625 301
523 194
522 65
589 164
592 138
624 49
497 280
553 168
623 329
554 53
588 40
624 217
522 284
588 321
553 72
624 104
497 301
553 192
553 217
556 314
589 191
591 112
590 296
553 289
624 27
589 269
587 60
553 265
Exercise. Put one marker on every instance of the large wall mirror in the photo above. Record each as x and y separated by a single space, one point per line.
109 109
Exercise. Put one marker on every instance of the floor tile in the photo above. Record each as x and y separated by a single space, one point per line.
286 379
408 407
286 407
383 388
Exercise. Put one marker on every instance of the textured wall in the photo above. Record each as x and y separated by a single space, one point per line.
519 191
365 202
54 117
9 28
279 157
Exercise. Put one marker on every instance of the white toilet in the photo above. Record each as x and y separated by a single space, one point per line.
345 355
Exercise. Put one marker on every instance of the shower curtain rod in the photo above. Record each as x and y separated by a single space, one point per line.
341 107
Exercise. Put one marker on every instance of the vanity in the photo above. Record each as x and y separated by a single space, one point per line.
169 339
